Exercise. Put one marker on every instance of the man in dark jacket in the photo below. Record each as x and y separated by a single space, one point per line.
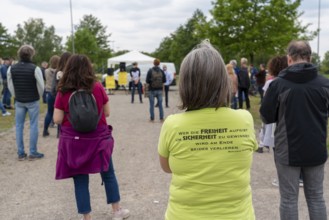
298 101
25 82
243 83
155 78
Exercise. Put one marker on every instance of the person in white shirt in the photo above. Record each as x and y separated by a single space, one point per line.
169 79
135 74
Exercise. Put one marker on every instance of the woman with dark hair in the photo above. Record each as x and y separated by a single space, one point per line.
82 153
59 73
208 149
50 77
266 137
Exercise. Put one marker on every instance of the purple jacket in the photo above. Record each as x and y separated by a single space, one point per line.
83 153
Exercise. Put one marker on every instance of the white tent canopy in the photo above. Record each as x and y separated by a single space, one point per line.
130 57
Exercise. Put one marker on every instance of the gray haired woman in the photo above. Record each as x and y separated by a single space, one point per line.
208 148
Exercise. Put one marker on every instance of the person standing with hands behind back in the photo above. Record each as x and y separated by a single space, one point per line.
135 74
211 181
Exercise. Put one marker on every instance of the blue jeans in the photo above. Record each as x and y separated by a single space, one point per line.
32 108
155 94
139 88
3 110
81 185
234 102
313 190
50 111
6 97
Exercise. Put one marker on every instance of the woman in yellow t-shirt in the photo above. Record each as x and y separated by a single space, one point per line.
208 148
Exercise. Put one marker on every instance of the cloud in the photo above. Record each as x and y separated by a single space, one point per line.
134 24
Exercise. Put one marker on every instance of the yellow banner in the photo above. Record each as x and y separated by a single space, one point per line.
122 78
110 82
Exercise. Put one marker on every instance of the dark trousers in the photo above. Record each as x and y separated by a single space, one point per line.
166 95
244 91
261 91
50 110
139 88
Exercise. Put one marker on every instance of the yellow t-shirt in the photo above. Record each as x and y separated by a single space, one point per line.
210 155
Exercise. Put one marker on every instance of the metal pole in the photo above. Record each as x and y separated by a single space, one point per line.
72 30
318 49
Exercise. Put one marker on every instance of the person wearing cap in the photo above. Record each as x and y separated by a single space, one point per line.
135 74
298 102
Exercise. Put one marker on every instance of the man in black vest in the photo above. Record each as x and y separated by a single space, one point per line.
25 82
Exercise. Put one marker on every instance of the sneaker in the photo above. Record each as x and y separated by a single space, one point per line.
45 133
301 183
22 157
36 156
268 148
259 150
275 182
120 214
6 114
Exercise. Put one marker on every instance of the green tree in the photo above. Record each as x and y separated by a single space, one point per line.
255 27
325 63
8 44
44 39
85 43
315 58
175 47
95 27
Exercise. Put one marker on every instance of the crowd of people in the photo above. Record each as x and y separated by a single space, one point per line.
208 148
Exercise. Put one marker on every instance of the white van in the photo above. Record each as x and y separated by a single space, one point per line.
144 69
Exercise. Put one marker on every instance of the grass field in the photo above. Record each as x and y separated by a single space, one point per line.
9 121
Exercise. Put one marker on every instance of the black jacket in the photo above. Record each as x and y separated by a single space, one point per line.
243 78
298 101
149 77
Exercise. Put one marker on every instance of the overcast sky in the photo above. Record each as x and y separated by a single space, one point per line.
136 24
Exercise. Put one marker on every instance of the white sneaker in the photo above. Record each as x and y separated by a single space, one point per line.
120 214
6 114
275 182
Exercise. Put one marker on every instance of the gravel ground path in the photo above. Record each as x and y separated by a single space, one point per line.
28 189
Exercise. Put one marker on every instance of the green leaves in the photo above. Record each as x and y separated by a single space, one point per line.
255 27
44 40
91 39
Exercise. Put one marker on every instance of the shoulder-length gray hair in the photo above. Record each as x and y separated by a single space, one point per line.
203 81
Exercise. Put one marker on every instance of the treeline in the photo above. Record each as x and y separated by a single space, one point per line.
90 38
255 29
